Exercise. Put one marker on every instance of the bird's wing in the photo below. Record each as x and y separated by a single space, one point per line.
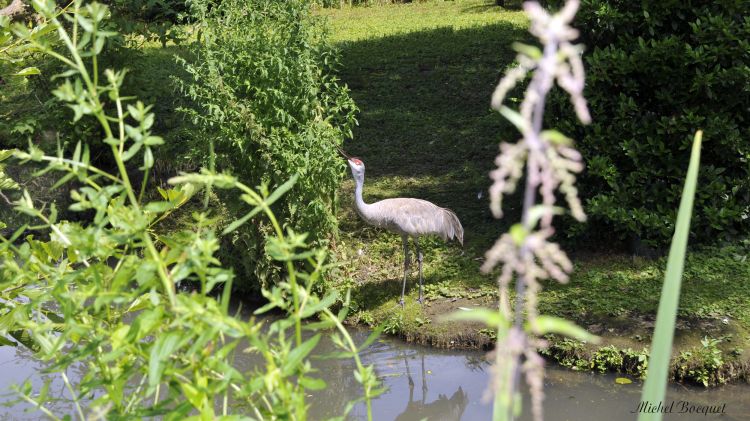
420 217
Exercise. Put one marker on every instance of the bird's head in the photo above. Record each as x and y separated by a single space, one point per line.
357 167
355 164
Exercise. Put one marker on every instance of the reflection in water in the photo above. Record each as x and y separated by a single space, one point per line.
441 409
421 383
453 383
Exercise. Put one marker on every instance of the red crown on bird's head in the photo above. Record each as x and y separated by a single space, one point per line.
356 161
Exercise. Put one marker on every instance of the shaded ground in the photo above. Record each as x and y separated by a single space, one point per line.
422 75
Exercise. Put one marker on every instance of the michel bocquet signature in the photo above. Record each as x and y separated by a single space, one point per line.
679 407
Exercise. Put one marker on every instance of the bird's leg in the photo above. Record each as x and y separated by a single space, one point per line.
419 260
405 240
424 381
411 381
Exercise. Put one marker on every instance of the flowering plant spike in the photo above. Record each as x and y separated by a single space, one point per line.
551 163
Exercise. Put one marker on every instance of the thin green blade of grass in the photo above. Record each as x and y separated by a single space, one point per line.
654 390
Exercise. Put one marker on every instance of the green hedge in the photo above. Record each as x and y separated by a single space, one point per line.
656 72
265 94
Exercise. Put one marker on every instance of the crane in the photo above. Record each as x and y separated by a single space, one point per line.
405 216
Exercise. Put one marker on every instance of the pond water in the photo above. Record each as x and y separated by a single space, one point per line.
427 383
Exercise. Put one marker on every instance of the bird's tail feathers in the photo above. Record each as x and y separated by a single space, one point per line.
453 226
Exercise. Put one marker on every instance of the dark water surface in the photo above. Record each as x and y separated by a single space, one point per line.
426 383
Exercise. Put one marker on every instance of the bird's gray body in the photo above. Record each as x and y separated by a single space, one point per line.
412 217
407 217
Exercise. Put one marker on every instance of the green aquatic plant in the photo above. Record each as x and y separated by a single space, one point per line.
394 324
606 358
702 364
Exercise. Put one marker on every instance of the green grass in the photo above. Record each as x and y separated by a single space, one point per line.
714 286
422 75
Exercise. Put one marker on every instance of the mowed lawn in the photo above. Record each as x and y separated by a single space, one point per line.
422 75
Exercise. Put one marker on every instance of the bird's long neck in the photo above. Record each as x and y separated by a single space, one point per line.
362 208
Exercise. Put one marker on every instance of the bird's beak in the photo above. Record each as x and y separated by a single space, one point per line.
344 154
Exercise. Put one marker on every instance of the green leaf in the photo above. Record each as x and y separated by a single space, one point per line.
132 150
28 72
375 334
268 201
518 233
654 390
153 140
491 318
527 50
7 183
555 137
162 349
67 177
281 190
77 152
6 153
312 384
549 324
148 159
623 380
514 117
318 326
6 342
239 222
158 207
295 357
536 212
326 302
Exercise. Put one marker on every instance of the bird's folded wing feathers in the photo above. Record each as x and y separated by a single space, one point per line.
420 217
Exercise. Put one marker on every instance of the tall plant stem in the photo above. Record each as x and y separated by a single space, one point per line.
541 83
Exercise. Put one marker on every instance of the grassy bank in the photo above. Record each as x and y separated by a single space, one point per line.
422 75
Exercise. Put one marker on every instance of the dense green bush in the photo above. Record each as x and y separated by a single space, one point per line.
268 107
656 72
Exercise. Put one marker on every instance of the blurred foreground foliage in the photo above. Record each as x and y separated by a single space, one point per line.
99 295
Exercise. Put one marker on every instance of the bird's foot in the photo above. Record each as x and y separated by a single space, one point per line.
420 300
401 303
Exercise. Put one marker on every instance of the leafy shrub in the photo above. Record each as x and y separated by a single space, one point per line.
268 107
394 325
656 71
